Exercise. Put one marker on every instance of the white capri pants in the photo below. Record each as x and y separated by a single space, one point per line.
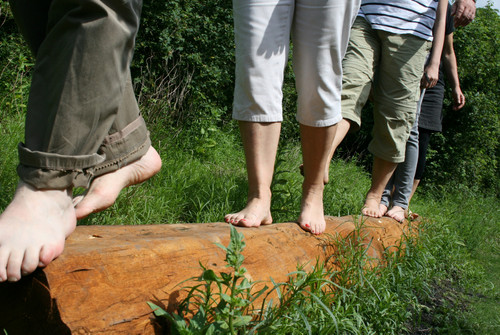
320 33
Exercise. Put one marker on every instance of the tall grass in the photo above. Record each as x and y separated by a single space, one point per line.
427 285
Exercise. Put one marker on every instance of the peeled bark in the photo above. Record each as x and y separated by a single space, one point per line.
106 274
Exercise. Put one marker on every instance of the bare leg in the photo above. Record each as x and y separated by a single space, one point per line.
342 129
382 172
105 189
260 142
315 150
33 229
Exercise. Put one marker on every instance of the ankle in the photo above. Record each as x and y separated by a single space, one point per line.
260 195
312 191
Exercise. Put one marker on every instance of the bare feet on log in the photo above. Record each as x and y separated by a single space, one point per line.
257 212
371 207
397 213
105 189
312 217
382 209
33 229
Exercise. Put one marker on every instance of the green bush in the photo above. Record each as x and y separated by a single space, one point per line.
468 150
197 39
16 62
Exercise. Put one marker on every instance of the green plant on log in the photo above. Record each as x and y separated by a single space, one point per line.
223 302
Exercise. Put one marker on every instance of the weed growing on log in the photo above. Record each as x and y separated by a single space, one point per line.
222 302
225 304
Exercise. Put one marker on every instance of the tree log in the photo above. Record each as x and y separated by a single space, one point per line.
102 281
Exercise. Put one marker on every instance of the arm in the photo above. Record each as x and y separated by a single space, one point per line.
450 67
464 12
431 70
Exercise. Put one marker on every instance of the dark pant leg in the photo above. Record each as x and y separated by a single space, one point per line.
423 143
81 98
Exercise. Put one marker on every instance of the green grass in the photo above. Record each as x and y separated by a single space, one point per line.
447 283
472 224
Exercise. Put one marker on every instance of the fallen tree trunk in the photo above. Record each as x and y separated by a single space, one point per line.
106 274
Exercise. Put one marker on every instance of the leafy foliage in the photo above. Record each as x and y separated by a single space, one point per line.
221 302
468 150
16 62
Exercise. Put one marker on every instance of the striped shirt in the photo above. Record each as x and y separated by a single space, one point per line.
415 17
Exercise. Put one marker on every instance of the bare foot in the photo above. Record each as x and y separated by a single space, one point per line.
257 212
382 209
312 216
33 229
371 207
397 213
105 189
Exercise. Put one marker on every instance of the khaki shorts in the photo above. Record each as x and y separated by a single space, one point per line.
390 66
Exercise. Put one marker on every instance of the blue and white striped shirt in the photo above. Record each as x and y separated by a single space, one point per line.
415 17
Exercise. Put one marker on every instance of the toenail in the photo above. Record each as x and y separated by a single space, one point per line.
13 279
307 225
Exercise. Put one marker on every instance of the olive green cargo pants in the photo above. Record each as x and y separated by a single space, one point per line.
82 116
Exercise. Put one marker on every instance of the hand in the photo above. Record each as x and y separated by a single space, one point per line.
430 77
458 99
463 12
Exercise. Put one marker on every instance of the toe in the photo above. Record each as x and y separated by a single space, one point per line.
30 261
14 266
306 226
240 220
48 253
4 256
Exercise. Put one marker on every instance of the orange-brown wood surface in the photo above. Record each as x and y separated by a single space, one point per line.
101 283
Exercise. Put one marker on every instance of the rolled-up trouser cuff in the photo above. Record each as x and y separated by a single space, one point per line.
53 171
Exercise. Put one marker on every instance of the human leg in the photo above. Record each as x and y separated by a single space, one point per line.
130 159
262 33
358 66
405 173
77 88
320 35
423 143
315 152
342 129
260 142
381 173
395 93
